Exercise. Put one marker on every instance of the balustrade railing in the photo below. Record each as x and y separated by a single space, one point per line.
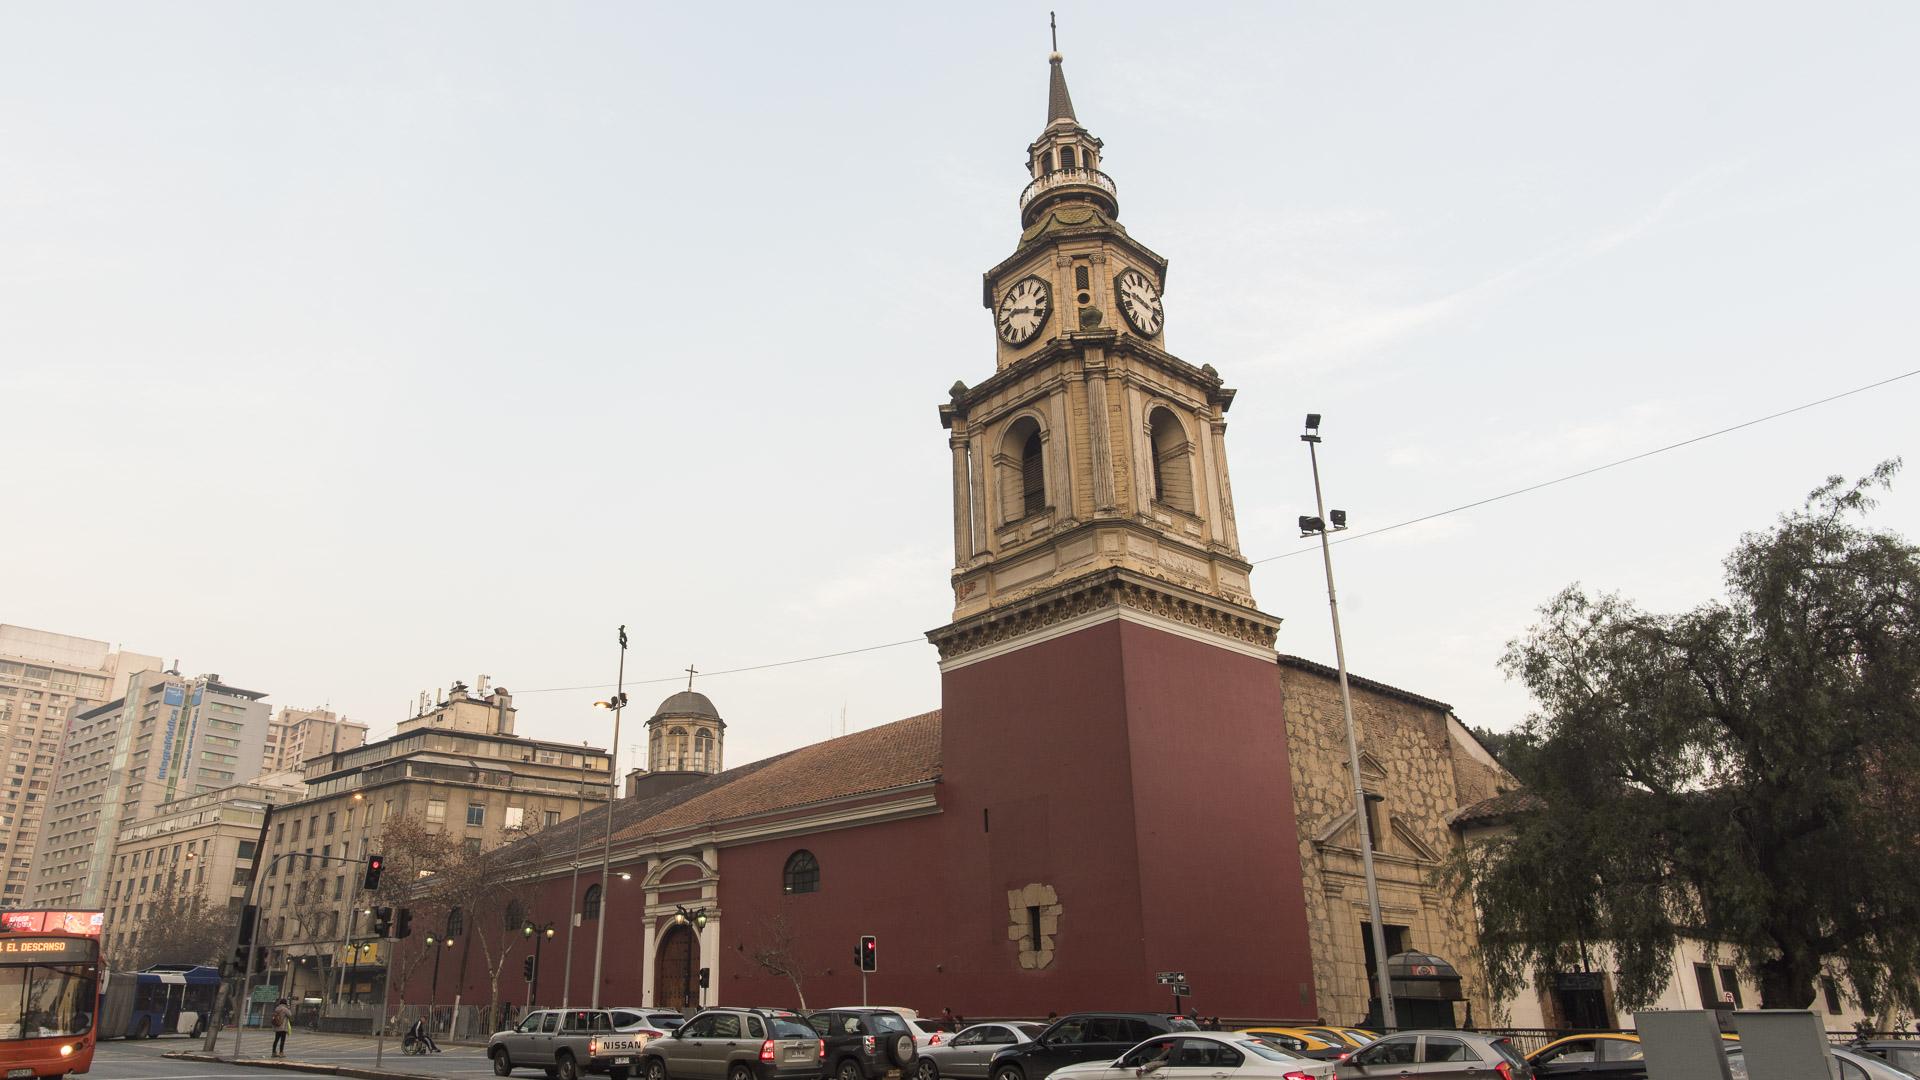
1060 178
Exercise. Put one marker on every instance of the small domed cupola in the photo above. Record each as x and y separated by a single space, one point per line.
1065 160
685 735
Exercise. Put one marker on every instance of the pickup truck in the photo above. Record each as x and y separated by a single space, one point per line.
567 1043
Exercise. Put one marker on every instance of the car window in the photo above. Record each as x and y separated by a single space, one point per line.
793 1029
1181 1023
548 1022
1443 1049
1206 1054
1387 1052
531 1023
1070 1030
996 1035
887 1023
755 1029
697 1028
970 1037
1903 1057
1266 1050
1031 1031
1151 1050
625 1018
1507 1050
1287 1042
1618 1050
1573 1050
1850 1071
724 1026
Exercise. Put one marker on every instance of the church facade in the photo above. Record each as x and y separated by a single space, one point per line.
1111 787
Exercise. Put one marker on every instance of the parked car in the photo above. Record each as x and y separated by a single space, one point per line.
1613 1054
567 1043
965 1054
1902 1053
1215 1055
924 1034
1079 1038
736 1044
1436 1055
862 1044
1303 1042
631 1019
1848 1064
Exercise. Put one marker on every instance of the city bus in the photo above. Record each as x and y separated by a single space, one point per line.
166 999
49 991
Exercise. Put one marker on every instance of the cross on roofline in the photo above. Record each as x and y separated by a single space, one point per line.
691 672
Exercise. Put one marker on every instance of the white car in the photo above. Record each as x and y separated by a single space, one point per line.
1193 1055
963 1055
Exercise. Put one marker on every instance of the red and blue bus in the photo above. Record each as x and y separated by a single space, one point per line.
49 991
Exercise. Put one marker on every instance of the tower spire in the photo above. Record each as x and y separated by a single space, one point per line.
1059 103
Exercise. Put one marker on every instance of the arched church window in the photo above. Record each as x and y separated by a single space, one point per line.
1033 476
1020 470
1049 161
456 922
802 873
703 750
1172 461
1066 157
590 906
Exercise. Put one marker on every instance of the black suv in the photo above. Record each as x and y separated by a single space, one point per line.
862 1044
1080 1037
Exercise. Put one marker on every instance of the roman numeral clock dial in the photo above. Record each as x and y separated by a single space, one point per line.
1139 301
1023 311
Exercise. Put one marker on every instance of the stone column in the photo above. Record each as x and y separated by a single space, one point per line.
1060 456
1099 423
962 501
981 528
1206 501
649 947
1227 525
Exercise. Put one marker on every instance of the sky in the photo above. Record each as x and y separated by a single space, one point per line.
350 349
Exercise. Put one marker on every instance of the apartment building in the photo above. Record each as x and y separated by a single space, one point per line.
298 734
45 680
457 765
207 842
168 737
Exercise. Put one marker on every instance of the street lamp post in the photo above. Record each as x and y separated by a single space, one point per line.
617 703
539 934
573 891
1310 526
433 995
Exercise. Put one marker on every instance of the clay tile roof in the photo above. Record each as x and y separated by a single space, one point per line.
900 754
1495 810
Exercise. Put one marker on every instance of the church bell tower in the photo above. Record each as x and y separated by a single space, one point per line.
1110 701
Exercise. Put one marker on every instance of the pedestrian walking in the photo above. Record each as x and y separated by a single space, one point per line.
282 1025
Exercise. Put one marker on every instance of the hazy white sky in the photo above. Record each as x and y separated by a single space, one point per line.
350 349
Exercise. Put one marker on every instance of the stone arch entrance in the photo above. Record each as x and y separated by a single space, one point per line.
674 964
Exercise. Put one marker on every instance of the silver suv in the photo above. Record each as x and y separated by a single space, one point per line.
566 1043
736 1044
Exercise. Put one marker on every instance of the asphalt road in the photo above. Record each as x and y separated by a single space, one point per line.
141 1059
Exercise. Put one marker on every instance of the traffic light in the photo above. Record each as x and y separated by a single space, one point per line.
869 953
375 864
526 969
382 921
705 977
402 923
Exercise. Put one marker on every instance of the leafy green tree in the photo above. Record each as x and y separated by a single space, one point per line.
1503 745
1740 773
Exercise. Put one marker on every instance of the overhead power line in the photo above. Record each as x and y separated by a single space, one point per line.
1348 538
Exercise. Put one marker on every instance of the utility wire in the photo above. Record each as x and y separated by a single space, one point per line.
1342 540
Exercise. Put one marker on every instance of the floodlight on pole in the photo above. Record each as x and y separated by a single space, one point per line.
1316 525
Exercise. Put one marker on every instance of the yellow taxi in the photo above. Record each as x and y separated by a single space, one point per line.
1302 1041
1590 1047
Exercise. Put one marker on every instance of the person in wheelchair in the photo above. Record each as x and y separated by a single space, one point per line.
419 1040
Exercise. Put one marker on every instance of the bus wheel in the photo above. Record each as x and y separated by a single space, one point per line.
141 1031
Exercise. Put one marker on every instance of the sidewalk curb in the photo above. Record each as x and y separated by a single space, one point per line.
287 1065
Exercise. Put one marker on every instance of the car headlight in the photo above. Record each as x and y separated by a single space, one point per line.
66 1050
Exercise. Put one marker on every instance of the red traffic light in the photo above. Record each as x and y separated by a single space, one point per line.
375 864
869 953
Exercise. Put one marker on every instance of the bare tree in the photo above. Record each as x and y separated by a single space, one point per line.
481 886
181 927
777 955
417 856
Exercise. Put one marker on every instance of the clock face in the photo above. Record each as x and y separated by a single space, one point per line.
1139 301
1023 311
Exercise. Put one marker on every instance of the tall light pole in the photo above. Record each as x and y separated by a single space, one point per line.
573 892
1310 526
617 703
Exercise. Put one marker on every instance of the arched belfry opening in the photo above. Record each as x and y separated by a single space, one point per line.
1172 461
1022 469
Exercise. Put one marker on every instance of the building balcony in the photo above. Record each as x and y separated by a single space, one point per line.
1082 181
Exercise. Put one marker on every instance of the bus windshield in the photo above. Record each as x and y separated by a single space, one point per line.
39 1001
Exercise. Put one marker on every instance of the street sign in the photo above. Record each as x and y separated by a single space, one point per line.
1168 978
1182 990
266 994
